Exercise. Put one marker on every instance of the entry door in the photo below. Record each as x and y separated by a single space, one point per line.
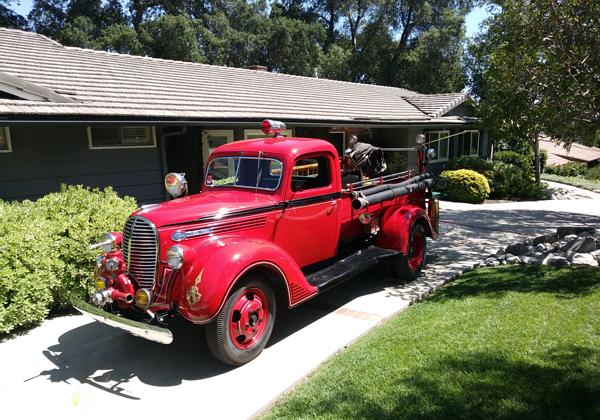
311 219
211 139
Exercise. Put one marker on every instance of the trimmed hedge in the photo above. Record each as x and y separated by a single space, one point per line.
44 255
568 169
466 186
506 180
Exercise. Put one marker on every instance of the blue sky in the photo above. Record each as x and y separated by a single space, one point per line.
473 20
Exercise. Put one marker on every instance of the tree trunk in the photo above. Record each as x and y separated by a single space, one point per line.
537 168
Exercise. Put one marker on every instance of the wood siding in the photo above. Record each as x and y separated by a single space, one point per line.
44 157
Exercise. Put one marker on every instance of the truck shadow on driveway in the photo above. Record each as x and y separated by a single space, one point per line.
109 359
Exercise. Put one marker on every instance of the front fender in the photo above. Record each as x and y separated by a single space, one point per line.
396 224
202 287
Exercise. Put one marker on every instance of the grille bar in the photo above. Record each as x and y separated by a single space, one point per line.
140 250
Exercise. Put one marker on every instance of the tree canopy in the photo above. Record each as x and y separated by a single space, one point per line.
413 44
537 69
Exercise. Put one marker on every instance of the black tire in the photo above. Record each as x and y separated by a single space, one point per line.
408 267
239 350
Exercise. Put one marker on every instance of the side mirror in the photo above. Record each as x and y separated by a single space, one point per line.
176 184
431 153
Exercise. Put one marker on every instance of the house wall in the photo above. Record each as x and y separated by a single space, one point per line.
44 157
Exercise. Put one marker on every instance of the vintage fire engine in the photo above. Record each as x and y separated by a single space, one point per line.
275 224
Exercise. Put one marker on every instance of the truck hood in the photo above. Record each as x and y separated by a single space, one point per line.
206 205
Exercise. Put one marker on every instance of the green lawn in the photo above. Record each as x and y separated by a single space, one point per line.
497 343
576 181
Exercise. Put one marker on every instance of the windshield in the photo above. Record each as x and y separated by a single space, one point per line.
244 172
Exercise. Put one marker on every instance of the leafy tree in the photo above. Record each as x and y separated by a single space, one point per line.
48 17
10 19
80 32
120 38
113 14
510 101
172 37
294 46
536 70
236 34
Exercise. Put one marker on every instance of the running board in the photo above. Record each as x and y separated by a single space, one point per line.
348 267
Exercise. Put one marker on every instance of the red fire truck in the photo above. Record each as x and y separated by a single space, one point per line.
275 225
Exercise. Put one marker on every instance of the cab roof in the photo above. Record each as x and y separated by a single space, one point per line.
287 146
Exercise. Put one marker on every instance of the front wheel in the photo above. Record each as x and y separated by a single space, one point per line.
408 267
244 324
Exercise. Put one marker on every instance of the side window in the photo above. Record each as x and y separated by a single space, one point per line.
311 173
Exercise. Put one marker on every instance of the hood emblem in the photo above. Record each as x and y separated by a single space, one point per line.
181 235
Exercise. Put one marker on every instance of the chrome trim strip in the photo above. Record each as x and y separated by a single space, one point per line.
139 329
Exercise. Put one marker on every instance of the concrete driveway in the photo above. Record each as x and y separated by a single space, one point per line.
71 367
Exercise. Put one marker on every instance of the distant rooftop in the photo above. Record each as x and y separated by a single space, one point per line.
40 77
559 155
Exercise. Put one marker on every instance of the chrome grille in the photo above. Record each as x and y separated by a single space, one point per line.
140 250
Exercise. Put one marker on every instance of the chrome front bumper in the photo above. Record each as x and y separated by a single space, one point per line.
139 329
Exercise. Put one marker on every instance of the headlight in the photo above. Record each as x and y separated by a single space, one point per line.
176 184
108 241
175 257
143 298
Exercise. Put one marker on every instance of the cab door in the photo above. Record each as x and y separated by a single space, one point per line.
311 214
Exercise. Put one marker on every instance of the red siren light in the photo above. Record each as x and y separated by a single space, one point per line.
272 127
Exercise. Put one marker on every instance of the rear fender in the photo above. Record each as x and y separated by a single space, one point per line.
202 287
396 224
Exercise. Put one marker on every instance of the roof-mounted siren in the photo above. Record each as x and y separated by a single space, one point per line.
272 127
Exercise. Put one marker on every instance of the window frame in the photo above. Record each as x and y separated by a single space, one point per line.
205 135
446 134
329 170
471 141
7 137
120 127
240 157
288 132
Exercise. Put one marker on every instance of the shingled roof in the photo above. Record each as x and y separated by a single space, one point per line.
40 77
558 154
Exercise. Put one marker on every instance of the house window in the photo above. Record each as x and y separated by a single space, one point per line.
5 145
211 139
438 141
257 134
121 137
469 143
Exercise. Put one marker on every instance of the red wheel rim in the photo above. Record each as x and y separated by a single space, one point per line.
249 317
417 248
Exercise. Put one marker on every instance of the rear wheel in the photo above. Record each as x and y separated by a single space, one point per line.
244 324
408 267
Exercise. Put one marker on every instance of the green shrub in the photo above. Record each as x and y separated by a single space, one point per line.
44 255
466 186
568 169
524 162
593 173
506 180
395 161
474 163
